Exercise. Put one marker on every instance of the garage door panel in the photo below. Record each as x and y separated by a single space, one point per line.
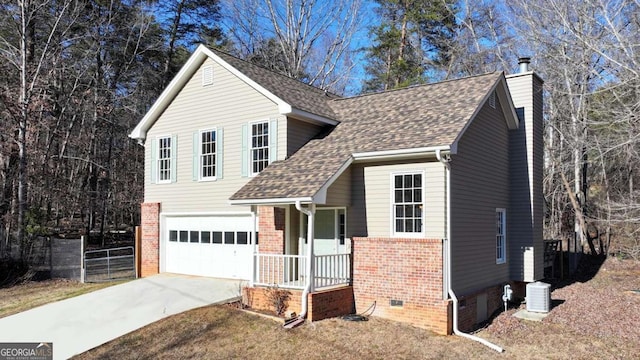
216 246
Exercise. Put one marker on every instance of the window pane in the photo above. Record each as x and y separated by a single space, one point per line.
399 211
417 195
173 235
205 237
408 181
217 237
408 210
341 226
398 182
243 238
418 225
408 196
229 237
194 236
184 236
399 225
398 196
408 225
417 180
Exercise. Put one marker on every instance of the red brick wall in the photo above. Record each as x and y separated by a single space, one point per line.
322 304
409 270
150 239
331 303
271 229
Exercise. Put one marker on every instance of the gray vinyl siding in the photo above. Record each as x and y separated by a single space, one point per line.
479 186
339 193
299 133
227 104
526 147
371 214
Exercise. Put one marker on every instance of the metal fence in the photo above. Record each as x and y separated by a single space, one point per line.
109 264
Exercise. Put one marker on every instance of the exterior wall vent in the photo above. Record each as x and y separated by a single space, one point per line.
207 75
538 297
492 99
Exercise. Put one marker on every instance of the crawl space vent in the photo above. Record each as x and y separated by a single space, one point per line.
538 297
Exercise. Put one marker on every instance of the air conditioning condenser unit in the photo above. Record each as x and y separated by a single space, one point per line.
538 297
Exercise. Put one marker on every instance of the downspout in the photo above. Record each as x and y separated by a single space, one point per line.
309 271
253 245
445 161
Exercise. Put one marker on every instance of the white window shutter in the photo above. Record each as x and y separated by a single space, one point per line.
207 75
154 161
196 156
273 140
245 151
174 148
219 153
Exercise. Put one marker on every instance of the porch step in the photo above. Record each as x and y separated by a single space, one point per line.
291 323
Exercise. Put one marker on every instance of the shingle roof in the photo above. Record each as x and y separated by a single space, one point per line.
296 93
420 116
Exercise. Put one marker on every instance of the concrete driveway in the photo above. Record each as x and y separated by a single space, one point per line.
81 323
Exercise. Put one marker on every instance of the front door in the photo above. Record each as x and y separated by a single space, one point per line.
329 232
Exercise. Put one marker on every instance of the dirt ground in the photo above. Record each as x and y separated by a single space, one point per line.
595 316
35 293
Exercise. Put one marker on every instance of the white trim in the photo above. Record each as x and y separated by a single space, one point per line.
401 153
157 159
503 259
276 201
215 154
208 213
392 203
250 147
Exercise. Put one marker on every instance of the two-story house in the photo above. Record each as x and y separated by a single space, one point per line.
419 200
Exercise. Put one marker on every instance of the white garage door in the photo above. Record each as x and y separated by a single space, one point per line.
215 246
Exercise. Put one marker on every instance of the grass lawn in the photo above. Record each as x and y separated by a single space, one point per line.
598 318
32 294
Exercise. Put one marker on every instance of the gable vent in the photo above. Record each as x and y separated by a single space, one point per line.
492 99
207 75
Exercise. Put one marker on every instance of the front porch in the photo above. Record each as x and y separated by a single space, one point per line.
303 258
288 271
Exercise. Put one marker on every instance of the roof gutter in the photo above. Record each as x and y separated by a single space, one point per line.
402 153
276 201
445 159
306 116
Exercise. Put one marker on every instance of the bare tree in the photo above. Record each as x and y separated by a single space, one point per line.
588 58
312 40
31 52
482 42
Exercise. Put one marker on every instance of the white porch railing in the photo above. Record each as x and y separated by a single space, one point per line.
331 270
288 271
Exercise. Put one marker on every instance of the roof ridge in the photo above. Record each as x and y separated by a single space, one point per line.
216 50
415 86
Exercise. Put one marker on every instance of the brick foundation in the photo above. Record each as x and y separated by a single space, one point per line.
322 304
150 239
468 307
406 270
